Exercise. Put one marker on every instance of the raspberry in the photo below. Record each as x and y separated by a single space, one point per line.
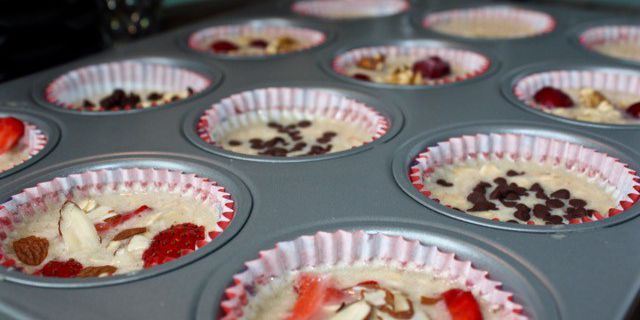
552 98
61 269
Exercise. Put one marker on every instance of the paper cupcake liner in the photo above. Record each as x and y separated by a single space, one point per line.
624 81
272 103
90 82
202 39
342 248
609 34
539 21
349 9
473 63
33 140
35 200
609 171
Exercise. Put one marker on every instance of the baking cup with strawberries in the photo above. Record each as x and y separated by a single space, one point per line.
605 175
343 249
124 86
39 199
349 9
31 141
490 22
620 86
436 64
286 113
254 39
616 41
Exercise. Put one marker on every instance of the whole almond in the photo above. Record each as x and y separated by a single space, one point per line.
96 271
128 233
31 250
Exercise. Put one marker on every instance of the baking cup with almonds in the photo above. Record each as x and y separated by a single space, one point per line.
31 205
396 64
465 162
618 88
358 249
349 9
254 40
617 41
490 22
91 88
289 122
31 143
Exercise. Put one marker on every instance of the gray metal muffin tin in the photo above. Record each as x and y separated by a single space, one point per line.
587 271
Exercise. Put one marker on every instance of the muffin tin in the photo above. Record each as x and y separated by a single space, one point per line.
586 271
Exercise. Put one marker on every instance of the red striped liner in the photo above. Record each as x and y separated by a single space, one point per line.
608 170
34 200
610 34
33 139
70 89
349 9
201 40
344 248
473 63
540 21
274 103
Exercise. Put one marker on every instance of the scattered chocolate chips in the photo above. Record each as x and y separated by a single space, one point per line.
541 211
561 194
513 173
552 219
481 187
235 143
120 99
154 96
444 183
573 213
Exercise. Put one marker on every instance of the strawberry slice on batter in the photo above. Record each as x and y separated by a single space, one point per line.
462 305
11 131
117 220
61 269
172 243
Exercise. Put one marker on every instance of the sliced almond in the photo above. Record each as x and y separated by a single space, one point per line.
591 98
96 271
375 297
78 232
138 243
87 205
356 311
429 300
31 250
128 233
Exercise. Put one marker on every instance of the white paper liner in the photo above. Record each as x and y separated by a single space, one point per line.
609 171
621 80
343 248
349 9
539 21
99 80
33 139
202 39
264 104
609 34
474 64
34 200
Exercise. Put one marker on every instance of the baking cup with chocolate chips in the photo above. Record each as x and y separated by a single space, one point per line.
525 179
349 9
290 122
616 41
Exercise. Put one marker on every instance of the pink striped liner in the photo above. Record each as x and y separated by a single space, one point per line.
541 22
617 80
274 103
608 170
35 200
202 39
70 89
34 140
610 34
349 9
474 64
343 248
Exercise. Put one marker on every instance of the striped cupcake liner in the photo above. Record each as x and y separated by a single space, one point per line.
35 200
358 248
608 171
33 140
611 34
349 9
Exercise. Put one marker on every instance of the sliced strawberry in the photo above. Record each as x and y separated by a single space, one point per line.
114 221
11 131
61 269
634 110
172 243
462 305
553 98
312 293
223 46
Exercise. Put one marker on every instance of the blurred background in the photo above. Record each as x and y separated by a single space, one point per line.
35 35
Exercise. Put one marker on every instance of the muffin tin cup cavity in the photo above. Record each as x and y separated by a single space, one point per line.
268 30
139 76
613 37
349 9
272 104
522 89
358 248
38 199
510 19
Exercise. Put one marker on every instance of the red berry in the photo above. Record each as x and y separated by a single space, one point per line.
361 76
553 98
223 46
462 305
11 131
119 219
259 43
172 243
634 110
61 269
312 294
432 68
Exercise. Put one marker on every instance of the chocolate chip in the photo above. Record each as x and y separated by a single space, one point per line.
481 187
513 173
234 143
276 152
483 206
508 204
522 214
444 183
513 221
274 142
554 220
190 91
119 99
578 203
274 125
554 203
295 137
561 194
541 211
318 150
298 146
573 213
87 104
256 143
323 140
591 212
304 124
500 181
154 96
541 195
329 134
175 98
476 197
536 187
